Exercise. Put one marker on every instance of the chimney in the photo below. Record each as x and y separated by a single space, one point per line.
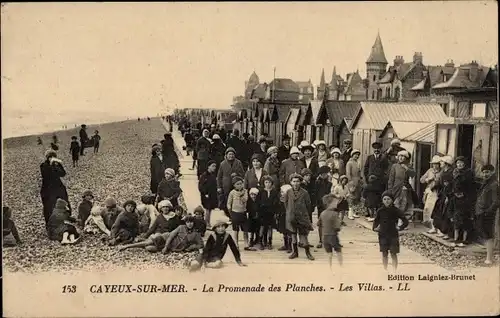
398 60
473 72
449 63
418 58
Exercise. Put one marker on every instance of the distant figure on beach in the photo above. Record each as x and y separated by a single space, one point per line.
149 119
39 141
54 142
170 158
52 189
74 150
96 139
138 118
84 138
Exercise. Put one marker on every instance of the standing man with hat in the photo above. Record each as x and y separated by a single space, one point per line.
284 150
202 149
346 154
376 164
83 139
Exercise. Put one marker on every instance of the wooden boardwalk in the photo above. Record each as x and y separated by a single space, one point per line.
360 244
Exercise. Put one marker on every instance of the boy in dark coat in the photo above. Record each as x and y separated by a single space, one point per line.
74 150
322 187
386 224
269 205
253 210
310 186
200 225
126 226
372 193
207 185
329 224
96 140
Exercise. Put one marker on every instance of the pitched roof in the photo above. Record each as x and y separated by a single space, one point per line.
404 128
461 78
315 108
428 133
353 80
338 110
434 75
401 71
347 123
284 84
303 115
379 113
293 115
282 111
377 54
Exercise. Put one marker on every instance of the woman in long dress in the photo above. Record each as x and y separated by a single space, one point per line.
337 166
157 168
430 194
52 188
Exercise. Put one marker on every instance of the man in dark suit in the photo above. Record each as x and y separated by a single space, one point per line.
83 139
376 164
284 150
346 154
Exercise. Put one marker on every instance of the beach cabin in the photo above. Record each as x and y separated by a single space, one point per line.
291 124
372 117
418 138
331 116
344 132
474 131
312 127
300 128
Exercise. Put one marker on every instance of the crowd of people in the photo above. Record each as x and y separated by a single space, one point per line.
253 182
256 188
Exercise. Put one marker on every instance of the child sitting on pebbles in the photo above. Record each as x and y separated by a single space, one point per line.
150 212
95 223
217 244
184 238
85 207
200 225
59 227
110 212
126 226
163 224
10 235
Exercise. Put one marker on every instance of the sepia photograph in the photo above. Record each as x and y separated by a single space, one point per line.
249 159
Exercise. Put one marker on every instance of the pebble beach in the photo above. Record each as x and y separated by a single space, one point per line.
121 169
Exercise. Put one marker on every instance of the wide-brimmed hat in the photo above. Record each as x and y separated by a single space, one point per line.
377 145
87 193
170 171
219 218
404 153
61 204
395 141
272 149
256 156
435 159
336 150
447 160
165 204
319 142
215 136
295 175
324 169
355 151
294 150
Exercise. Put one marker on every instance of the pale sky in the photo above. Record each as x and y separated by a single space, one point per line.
123 57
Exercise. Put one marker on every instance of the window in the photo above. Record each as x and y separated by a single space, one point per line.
446 108
479 110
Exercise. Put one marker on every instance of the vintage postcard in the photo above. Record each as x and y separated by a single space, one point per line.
212 159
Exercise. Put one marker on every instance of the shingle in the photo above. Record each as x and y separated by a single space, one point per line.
338 110
380 113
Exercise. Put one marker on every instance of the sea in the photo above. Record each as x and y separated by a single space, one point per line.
23 122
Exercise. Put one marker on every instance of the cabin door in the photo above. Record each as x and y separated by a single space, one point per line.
465 140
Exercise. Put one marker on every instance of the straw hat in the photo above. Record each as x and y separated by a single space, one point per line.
447 160
319 142
215 136
219 218
294 150
436 159
355 151
336 150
